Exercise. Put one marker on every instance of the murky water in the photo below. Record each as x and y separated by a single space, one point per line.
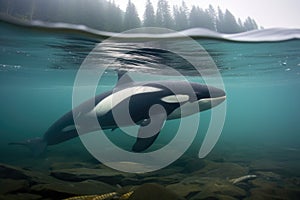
261 75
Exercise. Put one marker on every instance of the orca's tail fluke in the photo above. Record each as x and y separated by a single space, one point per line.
36 145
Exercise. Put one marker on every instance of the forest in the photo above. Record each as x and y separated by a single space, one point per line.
107 16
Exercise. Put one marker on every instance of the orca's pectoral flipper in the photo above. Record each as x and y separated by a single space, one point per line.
142 144
148 132
36 145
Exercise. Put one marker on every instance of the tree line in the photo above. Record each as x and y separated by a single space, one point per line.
107 16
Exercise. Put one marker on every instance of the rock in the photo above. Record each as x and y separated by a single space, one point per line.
266 165
266 188
201 181
81 174
40 178
273 194
73 188
164 180
130 181
270 176
68 165
11 172
218 159
164 176
210 187
133 166
293 181
166 171
216 197
222 170
20 196
194 165
184 190
151 191
225 188
264 183
10 185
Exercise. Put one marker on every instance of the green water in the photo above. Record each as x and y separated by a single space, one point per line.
262 82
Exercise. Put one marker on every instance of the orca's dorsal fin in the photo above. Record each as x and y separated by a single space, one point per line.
123 78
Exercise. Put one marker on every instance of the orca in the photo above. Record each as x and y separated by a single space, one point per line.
149 104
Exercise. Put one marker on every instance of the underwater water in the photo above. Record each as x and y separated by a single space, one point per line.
261 76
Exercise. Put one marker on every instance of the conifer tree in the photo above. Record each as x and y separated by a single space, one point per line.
149 16
105 15
131 18
229 24
112 23
212 16
241 26
200 18
250 24
181 16
220 21
193 17
163 15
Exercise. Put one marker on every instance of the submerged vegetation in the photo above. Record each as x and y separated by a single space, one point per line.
107 16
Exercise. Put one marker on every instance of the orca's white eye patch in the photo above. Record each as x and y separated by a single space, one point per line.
179 98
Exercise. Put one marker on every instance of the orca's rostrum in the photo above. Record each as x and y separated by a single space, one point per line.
146 104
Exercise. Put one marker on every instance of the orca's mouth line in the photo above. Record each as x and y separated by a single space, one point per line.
222 98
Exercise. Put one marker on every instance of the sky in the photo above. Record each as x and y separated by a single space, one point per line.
267 13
